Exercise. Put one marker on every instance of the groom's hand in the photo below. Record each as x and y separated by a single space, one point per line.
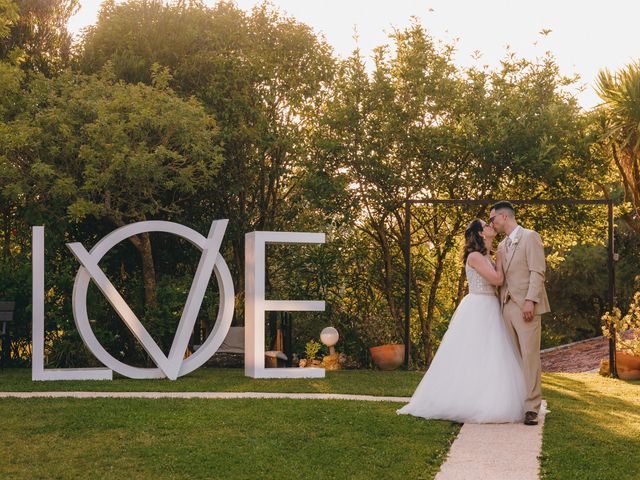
527 310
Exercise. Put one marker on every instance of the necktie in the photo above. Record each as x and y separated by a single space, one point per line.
508 243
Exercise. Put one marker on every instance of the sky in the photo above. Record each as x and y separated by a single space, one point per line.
586 35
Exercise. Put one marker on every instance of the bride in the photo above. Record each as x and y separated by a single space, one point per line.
475 376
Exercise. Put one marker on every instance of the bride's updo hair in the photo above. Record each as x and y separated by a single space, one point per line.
473 242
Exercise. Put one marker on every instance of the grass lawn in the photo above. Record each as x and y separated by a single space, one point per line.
234 439
593 430
363 382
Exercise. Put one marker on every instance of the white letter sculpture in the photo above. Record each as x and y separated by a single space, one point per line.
38 372
256 305
171 366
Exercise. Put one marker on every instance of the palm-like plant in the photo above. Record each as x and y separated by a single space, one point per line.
620 92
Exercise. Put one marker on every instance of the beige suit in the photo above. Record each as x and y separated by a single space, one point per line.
524 267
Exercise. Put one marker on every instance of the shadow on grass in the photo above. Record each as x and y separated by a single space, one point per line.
593 430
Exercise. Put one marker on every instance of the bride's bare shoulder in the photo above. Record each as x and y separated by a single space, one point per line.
474 258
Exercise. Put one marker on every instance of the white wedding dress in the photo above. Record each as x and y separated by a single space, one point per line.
476 374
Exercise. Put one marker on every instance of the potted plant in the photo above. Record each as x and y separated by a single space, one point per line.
627 335
387 357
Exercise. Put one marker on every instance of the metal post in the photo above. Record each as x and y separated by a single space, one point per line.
407 281
610 267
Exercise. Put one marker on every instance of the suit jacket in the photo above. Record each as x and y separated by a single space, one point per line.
524 266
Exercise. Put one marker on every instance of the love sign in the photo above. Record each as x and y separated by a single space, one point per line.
211 261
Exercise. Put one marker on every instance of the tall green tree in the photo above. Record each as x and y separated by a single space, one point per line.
39 36
120 153
419 127
620 93
257 73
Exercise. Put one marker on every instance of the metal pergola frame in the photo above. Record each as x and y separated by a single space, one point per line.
407 257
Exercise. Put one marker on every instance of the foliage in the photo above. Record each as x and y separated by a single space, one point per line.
311 349
621 325
578 291
181 111
420 127
260 83
8 17
577 284
94 149
38 35
620 117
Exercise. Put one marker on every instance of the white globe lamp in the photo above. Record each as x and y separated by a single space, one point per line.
329 336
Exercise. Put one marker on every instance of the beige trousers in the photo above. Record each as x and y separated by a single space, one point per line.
526 337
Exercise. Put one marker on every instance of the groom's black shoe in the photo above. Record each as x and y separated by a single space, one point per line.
531 418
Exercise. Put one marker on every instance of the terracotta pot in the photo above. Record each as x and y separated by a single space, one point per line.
387 357
628 366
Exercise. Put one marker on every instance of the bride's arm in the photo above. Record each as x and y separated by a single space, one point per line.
484 268
499 260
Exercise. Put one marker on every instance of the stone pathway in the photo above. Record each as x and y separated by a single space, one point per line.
495 452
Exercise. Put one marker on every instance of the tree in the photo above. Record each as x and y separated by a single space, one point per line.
122 153
257 73
186 111
39 36
419 127
620 93
11 78
8 17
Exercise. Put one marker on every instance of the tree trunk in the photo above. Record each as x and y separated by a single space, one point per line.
148 272
420 307
142 243
237 245
389 289
431 306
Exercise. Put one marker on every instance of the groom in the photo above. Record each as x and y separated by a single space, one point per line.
522 296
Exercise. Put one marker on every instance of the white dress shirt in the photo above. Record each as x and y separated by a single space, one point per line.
514 233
